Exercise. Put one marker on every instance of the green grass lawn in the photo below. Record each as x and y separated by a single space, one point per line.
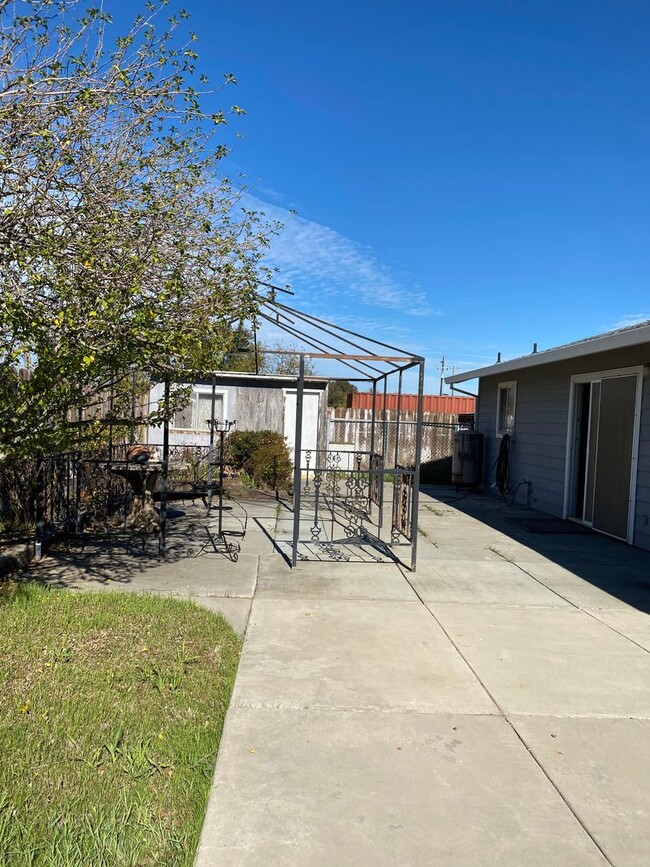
111 711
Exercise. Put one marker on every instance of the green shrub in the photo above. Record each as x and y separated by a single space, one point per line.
262 455
271 466
240 445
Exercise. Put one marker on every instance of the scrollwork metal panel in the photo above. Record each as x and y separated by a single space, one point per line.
402 522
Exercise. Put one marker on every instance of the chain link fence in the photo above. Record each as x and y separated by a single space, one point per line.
354 432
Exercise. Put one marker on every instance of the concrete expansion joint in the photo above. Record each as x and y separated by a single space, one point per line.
516 606
578 608
360 711
561 716
515 731
573 810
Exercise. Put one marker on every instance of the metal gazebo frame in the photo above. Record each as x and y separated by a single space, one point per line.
366 357
347 485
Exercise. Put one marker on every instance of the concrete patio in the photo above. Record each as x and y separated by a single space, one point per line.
492 708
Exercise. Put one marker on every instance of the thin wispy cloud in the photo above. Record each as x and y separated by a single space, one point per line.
393 332
630 319
314 258
368 330
268 193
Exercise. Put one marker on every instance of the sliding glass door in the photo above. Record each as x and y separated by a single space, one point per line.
604 457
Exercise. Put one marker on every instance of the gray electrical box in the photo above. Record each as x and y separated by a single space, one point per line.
467 459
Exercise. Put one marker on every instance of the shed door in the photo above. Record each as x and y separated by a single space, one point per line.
310 405
612 468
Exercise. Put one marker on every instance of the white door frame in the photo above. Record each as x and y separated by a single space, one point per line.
598 376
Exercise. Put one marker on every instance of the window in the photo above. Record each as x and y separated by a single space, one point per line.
506 404
196 415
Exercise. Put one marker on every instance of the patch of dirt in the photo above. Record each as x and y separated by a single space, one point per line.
233 488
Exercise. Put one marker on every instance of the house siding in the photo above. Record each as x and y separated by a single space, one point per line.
538 447
642 516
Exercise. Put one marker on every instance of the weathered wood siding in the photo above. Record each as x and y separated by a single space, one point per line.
253 404
257 408
538 448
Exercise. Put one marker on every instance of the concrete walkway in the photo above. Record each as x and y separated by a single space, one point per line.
14 556
493 708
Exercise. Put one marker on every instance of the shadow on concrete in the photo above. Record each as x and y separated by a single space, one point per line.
612 566
271 538
124 558
356 549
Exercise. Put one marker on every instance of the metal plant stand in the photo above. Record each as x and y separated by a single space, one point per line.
221 544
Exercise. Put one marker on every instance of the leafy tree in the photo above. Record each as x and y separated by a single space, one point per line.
338 391
245 356
121 249
287 365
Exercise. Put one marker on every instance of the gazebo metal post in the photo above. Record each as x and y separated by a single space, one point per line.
77 466
384 444
132 430
380 481
297 455
111 404
39 505
373 413
211 451
162 537
399 410
416 474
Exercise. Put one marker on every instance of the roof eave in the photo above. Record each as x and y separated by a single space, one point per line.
592 346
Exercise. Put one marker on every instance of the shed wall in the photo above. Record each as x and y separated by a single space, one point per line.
257 408
254 406
538 448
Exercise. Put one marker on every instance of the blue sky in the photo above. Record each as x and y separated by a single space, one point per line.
469 176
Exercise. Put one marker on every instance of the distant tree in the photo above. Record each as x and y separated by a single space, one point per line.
287 365
120 247
248 357
338 391
244 356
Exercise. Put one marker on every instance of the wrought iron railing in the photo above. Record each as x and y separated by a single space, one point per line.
402 517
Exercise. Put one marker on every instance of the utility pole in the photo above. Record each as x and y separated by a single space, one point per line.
442 372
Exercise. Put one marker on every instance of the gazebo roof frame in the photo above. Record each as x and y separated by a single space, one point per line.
354 350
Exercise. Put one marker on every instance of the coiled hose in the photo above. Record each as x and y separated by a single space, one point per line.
503 465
